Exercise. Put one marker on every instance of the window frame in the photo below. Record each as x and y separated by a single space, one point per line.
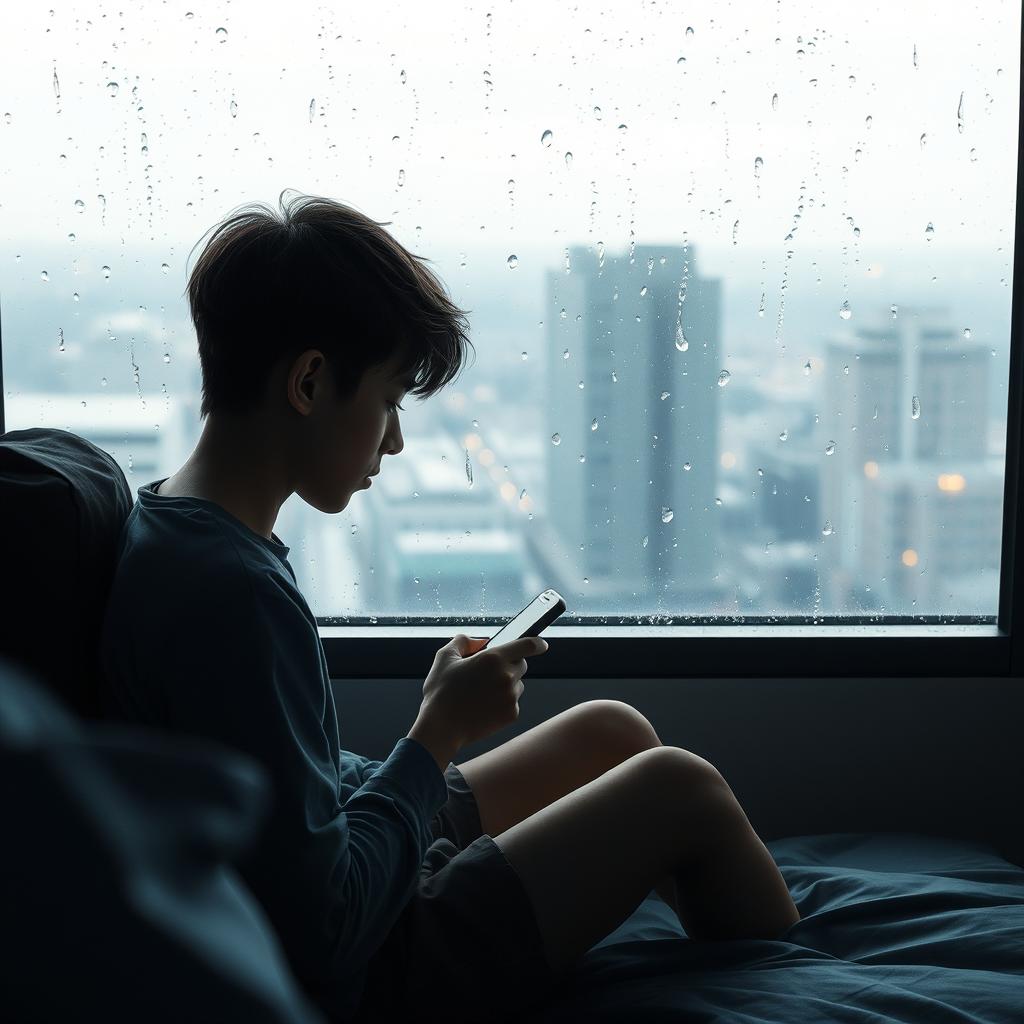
401 647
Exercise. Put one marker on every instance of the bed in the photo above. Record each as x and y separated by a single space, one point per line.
895 927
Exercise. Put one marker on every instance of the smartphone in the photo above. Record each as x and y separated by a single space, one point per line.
536 616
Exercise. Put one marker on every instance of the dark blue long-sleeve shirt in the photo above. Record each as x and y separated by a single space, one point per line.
207 633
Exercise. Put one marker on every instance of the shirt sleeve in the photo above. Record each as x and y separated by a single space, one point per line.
238 661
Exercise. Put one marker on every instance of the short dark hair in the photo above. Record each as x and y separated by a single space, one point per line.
318 274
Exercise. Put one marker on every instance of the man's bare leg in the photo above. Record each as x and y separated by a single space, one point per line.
543 764
588 859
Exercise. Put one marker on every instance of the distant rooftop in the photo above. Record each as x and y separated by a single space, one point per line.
102 413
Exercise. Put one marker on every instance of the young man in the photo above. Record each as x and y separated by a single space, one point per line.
409 885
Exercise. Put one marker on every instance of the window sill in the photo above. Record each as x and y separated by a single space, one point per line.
389 650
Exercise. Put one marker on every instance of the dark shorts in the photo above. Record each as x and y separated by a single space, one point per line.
467 946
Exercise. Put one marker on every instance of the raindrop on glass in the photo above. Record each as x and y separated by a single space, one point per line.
967 333
807 368
665 395
775 101
929 231
568 159
915 408
827 529
545 139
524 357
167 357
723 378
60 336
233 107
830 448
312 110
687 467
105 271
222 35
681 343
666 514
959 112
894 309
79 205
565 354
758 164
844 311
164 268
71 237
44 275
112 88
689 30
513 262
784 436
593 426
556 439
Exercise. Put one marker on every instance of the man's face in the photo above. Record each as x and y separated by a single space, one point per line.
348 438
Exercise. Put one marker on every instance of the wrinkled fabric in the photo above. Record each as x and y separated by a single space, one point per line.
895 928
119 897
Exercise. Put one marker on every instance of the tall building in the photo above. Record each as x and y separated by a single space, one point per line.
632 387
906 408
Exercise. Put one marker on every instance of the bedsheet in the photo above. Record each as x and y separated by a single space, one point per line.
894 927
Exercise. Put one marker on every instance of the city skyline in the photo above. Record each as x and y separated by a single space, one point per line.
424 550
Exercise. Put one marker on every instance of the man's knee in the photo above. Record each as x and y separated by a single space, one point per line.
618 725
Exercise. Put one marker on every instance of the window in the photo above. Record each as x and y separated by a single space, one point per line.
739 281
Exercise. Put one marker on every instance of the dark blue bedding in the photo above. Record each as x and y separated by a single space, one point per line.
895 927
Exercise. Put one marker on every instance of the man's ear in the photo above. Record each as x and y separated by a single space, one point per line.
306 368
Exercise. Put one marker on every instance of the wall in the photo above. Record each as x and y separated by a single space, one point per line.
803 756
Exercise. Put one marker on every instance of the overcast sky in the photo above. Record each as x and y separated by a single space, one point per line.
320 105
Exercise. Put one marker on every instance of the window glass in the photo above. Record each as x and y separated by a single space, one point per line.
738 281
